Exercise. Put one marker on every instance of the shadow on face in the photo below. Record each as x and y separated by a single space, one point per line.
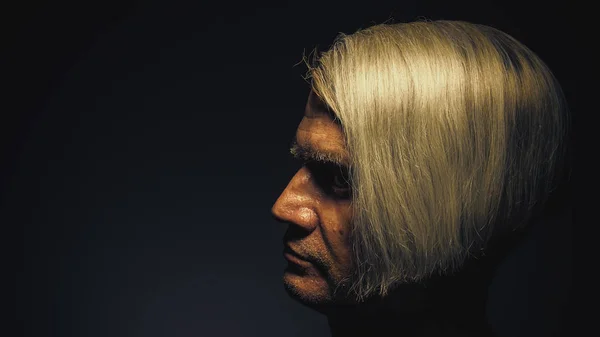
316 207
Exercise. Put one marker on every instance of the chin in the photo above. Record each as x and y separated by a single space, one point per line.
310 290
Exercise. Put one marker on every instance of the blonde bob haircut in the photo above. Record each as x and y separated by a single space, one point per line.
455 132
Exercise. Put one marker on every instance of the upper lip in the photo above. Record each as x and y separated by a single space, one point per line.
289 250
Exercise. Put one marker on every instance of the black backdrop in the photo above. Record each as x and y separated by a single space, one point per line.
144 143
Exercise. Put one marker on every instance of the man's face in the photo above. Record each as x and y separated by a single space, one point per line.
316 206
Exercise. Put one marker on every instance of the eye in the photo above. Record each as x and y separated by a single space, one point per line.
340 179
332 178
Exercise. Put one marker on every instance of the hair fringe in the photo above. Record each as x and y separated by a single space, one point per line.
455 132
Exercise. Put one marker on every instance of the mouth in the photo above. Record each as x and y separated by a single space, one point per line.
294 257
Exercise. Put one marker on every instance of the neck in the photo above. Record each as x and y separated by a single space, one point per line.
444 306
464 319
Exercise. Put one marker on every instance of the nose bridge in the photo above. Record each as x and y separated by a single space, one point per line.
297 202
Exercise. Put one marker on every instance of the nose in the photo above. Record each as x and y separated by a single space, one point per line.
297 203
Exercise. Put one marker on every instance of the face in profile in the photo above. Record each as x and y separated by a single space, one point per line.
316 207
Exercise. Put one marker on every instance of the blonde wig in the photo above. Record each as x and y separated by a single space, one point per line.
455 132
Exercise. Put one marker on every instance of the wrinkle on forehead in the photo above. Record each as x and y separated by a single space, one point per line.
320 127
322 134
315 106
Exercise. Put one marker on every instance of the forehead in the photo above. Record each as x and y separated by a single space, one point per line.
319 130
315 106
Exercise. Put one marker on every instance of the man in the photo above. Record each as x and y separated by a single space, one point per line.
426 148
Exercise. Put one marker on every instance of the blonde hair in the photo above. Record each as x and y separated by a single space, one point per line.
455 131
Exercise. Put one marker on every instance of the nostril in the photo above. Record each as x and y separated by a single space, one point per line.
295 232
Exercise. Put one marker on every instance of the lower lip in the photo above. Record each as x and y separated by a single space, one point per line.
295 259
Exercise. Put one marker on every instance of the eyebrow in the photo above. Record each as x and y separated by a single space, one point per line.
309 153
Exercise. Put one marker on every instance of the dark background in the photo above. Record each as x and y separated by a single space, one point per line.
144 143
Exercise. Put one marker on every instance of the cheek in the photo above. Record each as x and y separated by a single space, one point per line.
336 230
